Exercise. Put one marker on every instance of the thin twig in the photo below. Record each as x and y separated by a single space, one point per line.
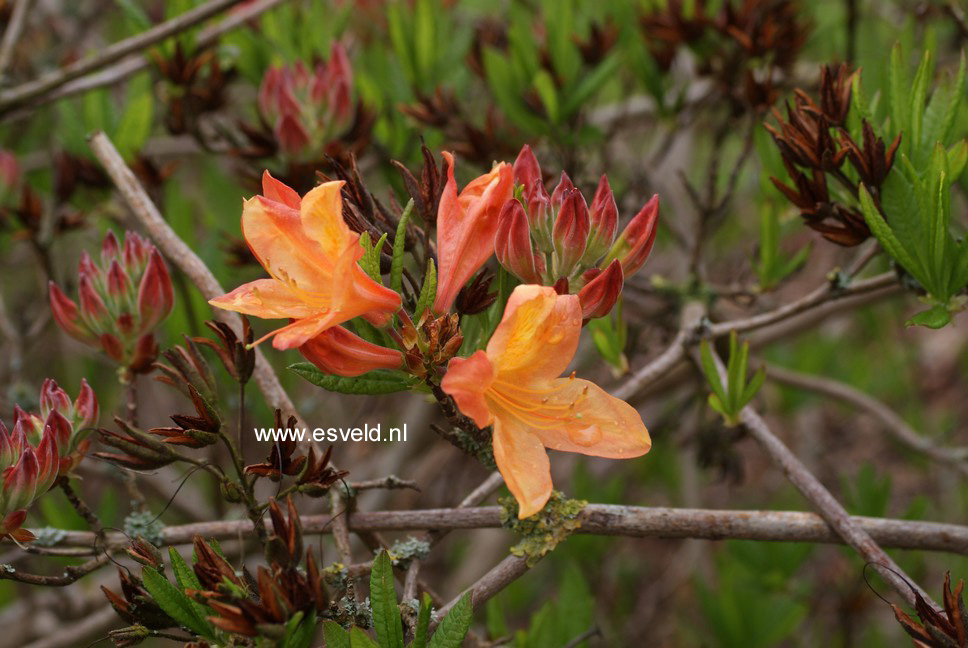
135 63
825 503
12 34
955 457
181 255
78 504
25 92
501 575
70 575
390 482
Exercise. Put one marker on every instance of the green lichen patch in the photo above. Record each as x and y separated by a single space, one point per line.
541 532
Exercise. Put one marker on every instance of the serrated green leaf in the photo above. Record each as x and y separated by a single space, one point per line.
423 623
186 579
399 245
383 599
174 602
381 381
335 636
453 627
359 639
934 318
428 290
919 94
370 261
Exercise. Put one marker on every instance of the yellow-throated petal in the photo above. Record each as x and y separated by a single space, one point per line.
266 298
523 462
276 236
466 381
538 335
321 212
576 415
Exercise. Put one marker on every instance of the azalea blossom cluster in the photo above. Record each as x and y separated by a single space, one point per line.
307 108
39 449
122 300
551 243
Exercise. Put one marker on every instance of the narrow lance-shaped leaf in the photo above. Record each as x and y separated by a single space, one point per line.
428 290
335 636
453 627
175 604
423 623
399 245
383 599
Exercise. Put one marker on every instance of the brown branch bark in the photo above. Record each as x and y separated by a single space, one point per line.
602 519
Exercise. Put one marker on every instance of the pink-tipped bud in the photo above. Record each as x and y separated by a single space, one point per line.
527 171
342 353
135 253
512 245
156 296
9 173
118 282
599 295
603 219
20 482
110 248
87 268
571 231
60 428
66 314
635 242
52 397
92 306
291 134
565 186
338 82
85 407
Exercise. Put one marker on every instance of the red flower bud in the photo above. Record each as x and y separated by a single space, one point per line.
110 248
117 281
85 407
93 309
603 216
635 242
559 194
527 171
52 397
512 245
66 314
156 297
571 231
599 295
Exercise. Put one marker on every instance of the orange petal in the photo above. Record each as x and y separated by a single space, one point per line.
466 380
466 226
523 462
321 212
266 298
340 352
538 335
276 237
302 331
579 416
274 190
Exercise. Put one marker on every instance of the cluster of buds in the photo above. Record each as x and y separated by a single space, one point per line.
308 108
39 449
430 343
811 151
313 475
122 300
558 240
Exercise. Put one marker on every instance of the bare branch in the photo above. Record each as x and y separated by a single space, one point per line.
500 576
23 93
897 426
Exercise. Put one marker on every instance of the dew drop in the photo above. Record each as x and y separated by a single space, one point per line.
585 436
557 335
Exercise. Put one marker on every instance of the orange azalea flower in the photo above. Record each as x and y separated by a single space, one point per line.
311 256
514 386
466 226
340 352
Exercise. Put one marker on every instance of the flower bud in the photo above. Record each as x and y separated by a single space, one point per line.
512 245
571 231
339 352
635 242
603 219
599 295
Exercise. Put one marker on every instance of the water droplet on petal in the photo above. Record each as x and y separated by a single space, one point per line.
557 335
585 437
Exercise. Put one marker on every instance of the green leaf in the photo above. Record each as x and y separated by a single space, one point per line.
753 387
899 91
919 94
453 627
428 290
359 639
423 623
174 602
712 373
934 318
370 261
186 579
399 245
382 381
736 370
335 636
383 599
545 86
136 120
299 631
885 236
590 84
